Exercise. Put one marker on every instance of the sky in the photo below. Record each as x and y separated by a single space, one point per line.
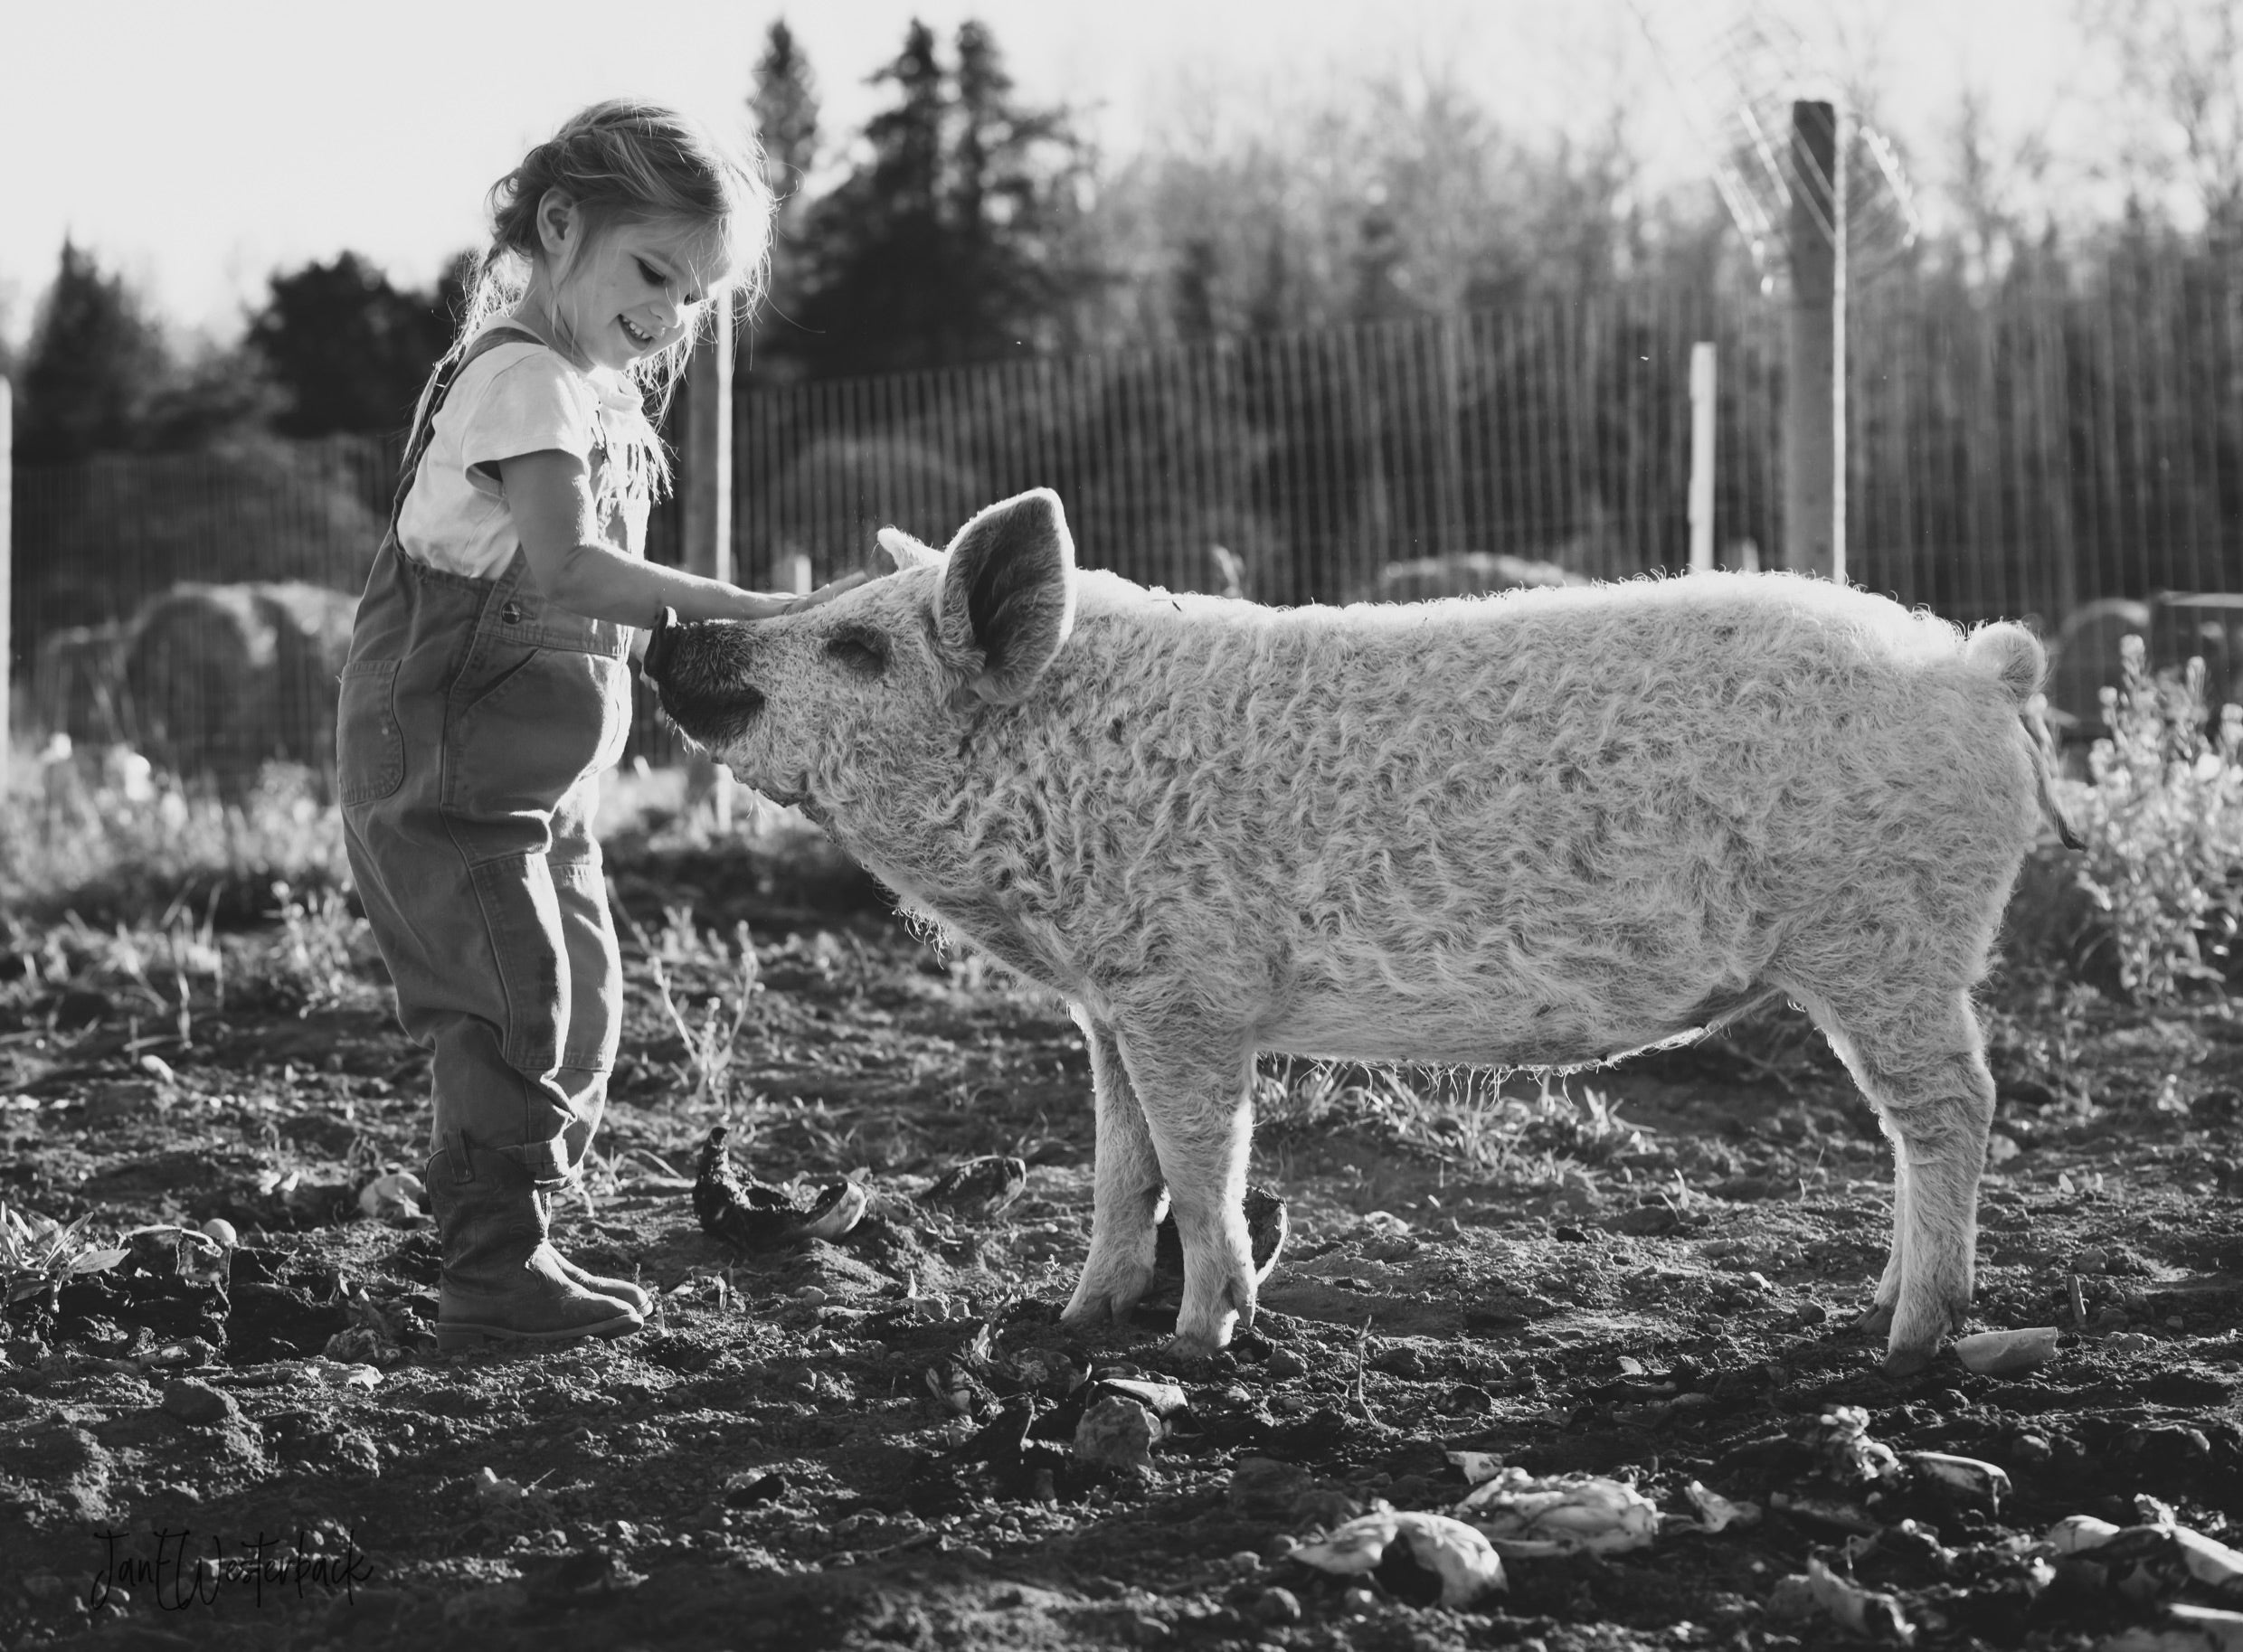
198 147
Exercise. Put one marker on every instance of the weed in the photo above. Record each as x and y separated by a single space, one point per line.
311 962
107 835
190 948
681 940
1473 1122
709 1047
2162 815
38 1253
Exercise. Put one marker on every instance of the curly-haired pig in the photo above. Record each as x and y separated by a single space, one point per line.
1537 829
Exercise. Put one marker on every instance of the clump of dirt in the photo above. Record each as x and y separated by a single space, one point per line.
884 1437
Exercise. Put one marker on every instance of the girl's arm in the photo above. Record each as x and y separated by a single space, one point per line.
549 495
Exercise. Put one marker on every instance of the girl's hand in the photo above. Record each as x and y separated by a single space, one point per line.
762 605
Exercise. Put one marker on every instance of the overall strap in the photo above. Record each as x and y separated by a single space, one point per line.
424 428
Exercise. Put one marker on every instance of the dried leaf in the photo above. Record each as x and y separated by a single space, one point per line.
1460 1555
1863 1612
1476 1467
1717 1512
1525 1516
1967 1475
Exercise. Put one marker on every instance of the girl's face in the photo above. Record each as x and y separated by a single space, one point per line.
625 291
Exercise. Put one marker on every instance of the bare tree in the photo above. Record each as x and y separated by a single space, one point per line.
2180 71
1993 190
1386 196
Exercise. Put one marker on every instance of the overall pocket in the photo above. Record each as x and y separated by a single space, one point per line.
369 744
540 723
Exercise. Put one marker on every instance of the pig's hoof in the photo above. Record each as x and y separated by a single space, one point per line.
1090 1321
1876 1319
1093 1309
1208 1329
1900 1363
1193 1348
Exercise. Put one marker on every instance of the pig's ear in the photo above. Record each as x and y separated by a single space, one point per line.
1008 599
907 552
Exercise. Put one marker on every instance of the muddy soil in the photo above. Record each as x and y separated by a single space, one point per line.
1647 1273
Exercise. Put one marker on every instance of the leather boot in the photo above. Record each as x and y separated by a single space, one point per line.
636 1297
503 1281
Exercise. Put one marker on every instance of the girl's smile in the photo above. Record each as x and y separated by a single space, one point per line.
627 291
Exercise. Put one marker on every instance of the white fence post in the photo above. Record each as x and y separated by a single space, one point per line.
1839 301
1701 458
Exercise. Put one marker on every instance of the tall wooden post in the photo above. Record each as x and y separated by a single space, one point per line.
708 501
1814 411
7 581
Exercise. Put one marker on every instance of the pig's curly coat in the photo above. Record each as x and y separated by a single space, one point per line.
1543 828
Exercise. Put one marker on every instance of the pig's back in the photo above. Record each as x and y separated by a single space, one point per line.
1369 809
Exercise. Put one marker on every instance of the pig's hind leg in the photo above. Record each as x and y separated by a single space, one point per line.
1923 1065
1197 1085
1126 1189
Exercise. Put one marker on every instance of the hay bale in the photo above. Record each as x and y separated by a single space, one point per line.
222 679
2085 661
312 630
839 489
2199 625
1464 573
76 683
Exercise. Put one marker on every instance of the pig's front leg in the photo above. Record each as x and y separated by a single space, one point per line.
1196 1086
1126 1197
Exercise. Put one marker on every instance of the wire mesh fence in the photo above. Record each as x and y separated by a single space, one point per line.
2018 455
1318 460
2028 452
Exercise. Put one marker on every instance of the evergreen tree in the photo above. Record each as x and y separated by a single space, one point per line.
953 242
785 106
95 363
348 351
9 366
1015 211
217 396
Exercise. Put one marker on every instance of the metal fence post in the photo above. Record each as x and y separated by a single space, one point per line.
1701 458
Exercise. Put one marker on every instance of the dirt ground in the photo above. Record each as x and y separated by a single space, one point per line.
1648 1272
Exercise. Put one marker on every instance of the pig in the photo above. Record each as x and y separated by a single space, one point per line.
1539 830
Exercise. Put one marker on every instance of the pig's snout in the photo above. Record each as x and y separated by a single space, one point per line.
695 669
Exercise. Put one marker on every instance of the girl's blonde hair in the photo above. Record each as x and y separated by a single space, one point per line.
626 162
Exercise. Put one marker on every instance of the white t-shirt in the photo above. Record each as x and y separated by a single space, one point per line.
514 399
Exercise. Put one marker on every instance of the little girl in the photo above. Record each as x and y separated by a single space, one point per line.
487 682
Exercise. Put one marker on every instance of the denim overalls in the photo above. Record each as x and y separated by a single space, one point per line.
475 718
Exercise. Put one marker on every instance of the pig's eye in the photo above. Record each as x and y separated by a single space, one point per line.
859 649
